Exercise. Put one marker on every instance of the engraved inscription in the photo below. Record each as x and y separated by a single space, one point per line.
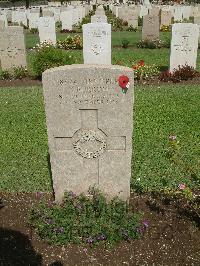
89 143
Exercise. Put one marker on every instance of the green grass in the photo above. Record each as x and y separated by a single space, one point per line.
157 113
23 153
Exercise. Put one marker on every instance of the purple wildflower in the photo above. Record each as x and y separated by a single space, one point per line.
72 194
50 203
101 237
49 221
90 240
38 195
58 230
182 186
145 223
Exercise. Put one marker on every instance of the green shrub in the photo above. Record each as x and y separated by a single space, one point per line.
71 43
142 71
19 72
140 21
150 44
47 56
130 28
125 43
33 31
4 74
88 220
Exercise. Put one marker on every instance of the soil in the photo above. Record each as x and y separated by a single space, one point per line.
26 82
172 238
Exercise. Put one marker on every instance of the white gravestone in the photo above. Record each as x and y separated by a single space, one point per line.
184 45
89 123
47 29
99 19
12 47
97 43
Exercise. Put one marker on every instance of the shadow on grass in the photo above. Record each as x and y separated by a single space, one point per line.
50 173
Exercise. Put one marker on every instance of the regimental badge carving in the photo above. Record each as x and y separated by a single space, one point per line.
89 143
96 49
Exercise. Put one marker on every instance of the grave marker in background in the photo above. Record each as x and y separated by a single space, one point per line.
12 47
184 45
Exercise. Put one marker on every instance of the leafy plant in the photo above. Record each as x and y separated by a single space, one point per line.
182 73
131 28
165 28
71 43
47 56
150 44
125 43
88 220
142 71
19 72
4 74
33 31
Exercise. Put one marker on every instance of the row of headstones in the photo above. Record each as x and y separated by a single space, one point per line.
67 15
131 14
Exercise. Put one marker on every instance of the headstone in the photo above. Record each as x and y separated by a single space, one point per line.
197 20
150 28
97 43
100 19
166 18
184 45
178 13
2 24
12 47
89 123
47 30
34 19
66 18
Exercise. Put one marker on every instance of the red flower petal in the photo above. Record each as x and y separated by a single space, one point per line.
123 81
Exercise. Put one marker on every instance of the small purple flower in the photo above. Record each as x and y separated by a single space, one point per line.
58 230
38 195
181 186
101 237
72 194
145 223
90 240
172 137
49 221
50 204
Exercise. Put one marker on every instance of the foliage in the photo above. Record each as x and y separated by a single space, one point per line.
71 43
67 31
125 43
131 28
4 74
182 73
88 220
19 72
165 28
150 44
33 31
117 23
47 56
142 71
140 21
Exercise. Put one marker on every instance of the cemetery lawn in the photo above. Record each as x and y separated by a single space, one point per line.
158 112
171 237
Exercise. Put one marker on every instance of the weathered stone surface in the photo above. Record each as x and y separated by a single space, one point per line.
150 28
12 47
98 19
166 18
47 29
184 45
89 122
97 43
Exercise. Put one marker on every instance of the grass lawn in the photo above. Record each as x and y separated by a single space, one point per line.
158 112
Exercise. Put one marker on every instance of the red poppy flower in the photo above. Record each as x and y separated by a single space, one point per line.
141 63
123 82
